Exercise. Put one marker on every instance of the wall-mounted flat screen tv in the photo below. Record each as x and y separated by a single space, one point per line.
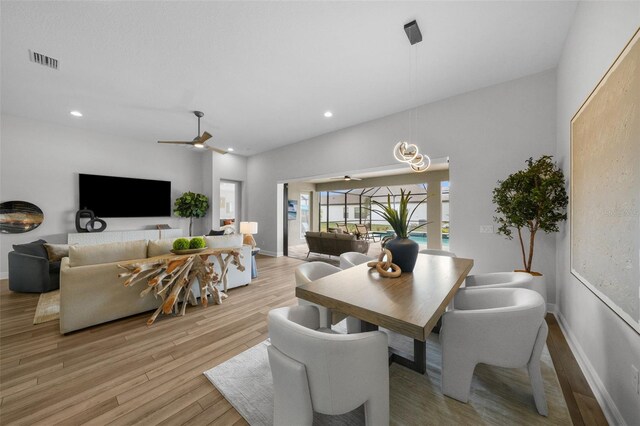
110 196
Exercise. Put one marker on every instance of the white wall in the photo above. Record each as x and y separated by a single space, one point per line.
605 344
294 190
40 163
487 134
216 167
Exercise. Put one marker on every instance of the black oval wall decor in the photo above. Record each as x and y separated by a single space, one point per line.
17 217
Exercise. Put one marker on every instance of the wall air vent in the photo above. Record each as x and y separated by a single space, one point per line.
44 60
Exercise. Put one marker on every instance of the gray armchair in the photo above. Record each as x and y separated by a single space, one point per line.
30 270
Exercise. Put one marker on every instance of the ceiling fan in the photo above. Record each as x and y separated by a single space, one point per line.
198 141
346 178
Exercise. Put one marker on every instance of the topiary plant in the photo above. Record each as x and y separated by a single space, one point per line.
181 244
534 199
196 243
191 205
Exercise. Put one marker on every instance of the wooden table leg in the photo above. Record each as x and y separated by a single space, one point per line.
417 362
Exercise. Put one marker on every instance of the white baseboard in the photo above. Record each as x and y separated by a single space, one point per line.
271 253
609 408
552 308
4 275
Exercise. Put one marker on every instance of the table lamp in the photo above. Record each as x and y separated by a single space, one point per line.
248 229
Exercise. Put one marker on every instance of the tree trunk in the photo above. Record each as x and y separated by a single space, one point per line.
524 259
532 238
191 226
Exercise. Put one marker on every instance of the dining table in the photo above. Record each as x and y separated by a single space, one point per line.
410 304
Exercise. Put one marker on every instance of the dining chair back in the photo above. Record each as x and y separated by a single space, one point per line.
353 258
506 280
311 271
504 327
325 372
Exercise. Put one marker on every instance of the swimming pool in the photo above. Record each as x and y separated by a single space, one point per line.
421 238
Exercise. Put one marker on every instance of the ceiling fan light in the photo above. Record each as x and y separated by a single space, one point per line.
198 145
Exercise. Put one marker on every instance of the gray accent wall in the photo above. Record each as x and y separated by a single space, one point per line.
487 134
604 344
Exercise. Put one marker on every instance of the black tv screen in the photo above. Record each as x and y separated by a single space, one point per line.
110 196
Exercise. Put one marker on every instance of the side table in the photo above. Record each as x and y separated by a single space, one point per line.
254 267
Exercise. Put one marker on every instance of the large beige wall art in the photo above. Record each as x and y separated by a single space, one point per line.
605 187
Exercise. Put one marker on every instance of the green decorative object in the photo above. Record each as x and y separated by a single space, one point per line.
181 244
191 205
196 243
532 199
400 219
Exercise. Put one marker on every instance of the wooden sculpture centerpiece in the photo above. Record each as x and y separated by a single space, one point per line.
172 276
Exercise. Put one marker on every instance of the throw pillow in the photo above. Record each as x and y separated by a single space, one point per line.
213 233
97 254
57 251
34 248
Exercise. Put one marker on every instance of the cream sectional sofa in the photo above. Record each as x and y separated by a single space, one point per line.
91 292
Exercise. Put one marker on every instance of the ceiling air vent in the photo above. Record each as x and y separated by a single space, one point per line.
45 60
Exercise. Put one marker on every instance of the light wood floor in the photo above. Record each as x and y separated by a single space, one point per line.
125 372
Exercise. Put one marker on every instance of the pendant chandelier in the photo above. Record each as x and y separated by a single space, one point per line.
404 151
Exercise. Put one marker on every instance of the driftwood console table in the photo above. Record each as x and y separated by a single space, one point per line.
173 275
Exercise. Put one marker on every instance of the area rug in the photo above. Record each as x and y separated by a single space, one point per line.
498 396
48 308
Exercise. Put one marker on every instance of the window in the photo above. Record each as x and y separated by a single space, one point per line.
444 188
357 213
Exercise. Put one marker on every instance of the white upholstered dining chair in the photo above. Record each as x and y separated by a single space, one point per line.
325 372
353 258
505 280
437 252
311 271
504 327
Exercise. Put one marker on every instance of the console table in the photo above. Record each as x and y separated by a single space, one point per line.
119 236
173 275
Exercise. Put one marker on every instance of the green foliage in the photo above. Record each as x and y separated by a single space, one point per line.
398 219
191 204
181 244
196 243
534 198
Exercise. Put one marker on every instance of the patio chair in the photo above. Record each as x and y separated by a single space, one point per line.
343 228
363 232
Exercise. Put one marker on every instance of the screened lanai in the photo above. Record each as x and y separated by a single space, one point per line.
351 207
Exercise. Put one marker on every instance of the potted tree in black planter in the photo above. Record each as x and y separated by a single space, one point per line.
403 249
191 205
531 200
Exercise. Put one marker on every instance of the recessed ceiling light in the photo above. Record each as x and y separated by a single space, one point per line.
199 145
328 114
230 149
76 113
